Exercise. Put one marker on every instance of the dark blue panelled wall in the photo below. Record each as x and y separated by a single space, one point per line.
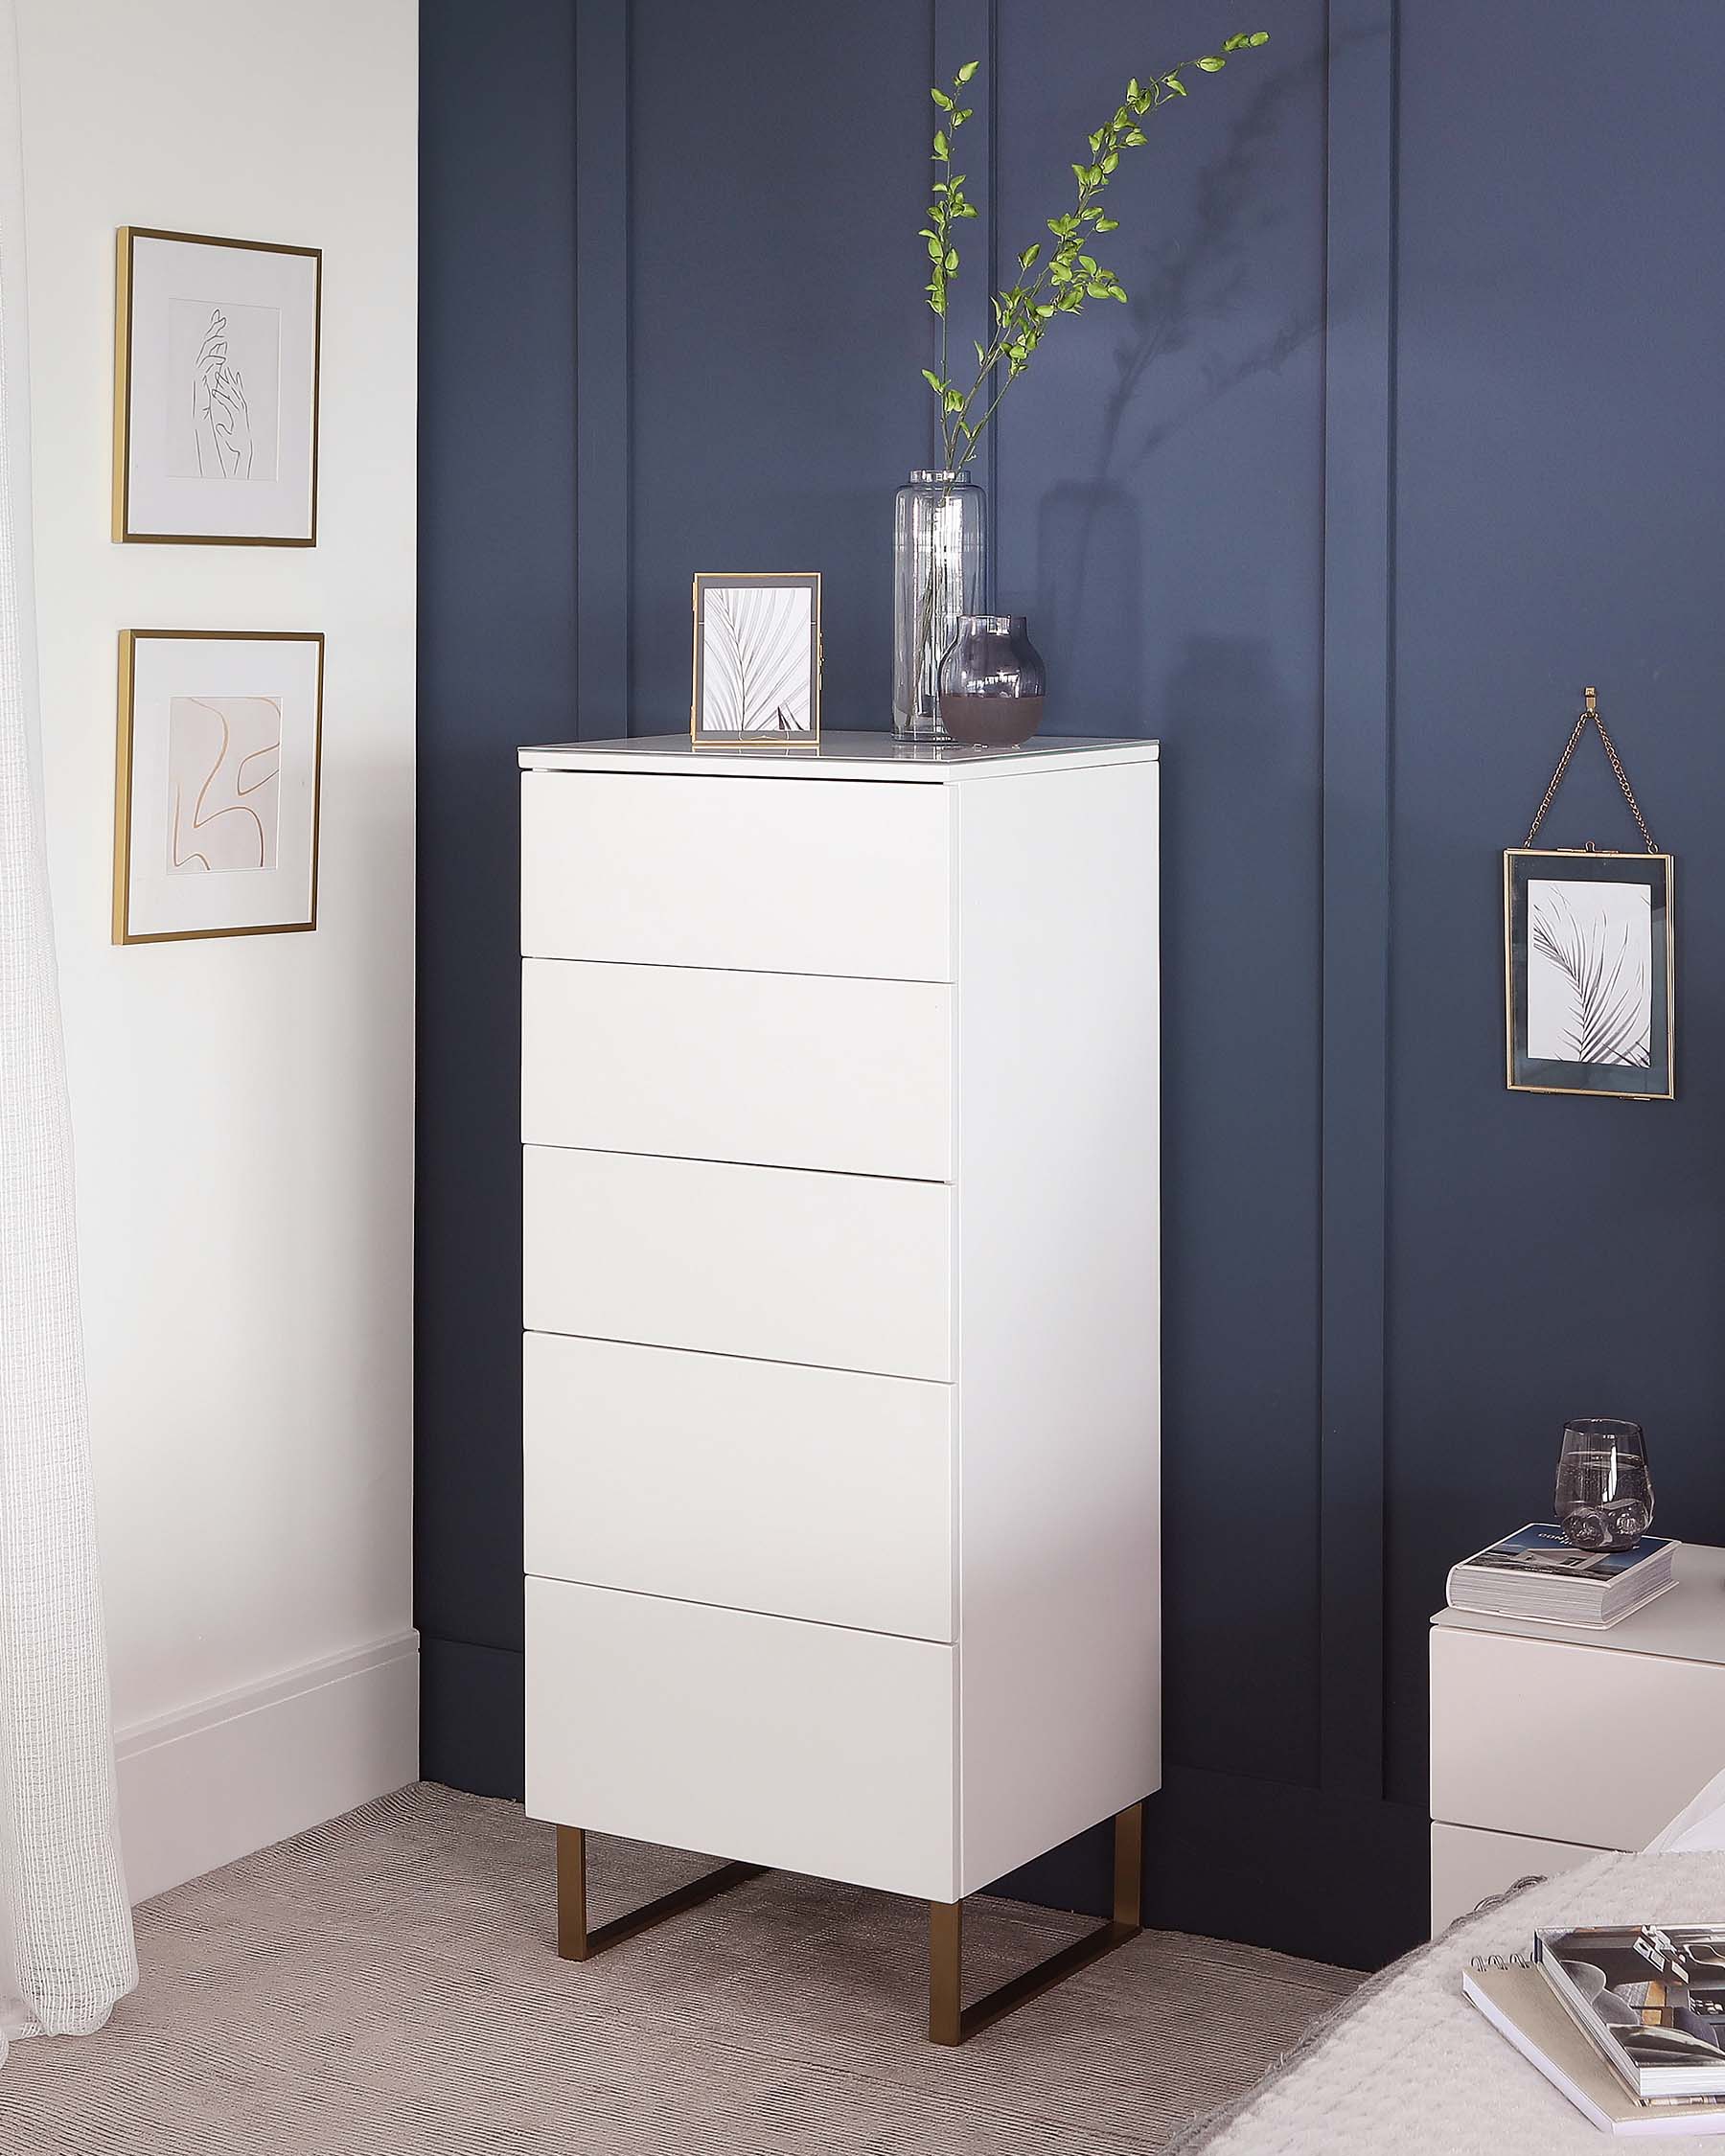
1560 497
1409 429
496 661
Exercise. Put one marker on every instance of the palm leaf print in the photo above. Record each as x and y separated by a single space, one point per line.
756 654
1607 1018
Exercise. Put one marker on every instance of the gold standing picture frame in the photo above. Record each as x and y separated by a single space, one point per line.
217 783
217 378
757 661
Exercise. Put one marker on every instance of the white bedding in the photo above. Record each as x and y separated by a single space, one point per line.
1413 2070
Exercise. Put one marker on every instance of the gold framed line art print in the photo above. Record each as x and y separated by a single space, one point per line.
757 659
215 390
218 769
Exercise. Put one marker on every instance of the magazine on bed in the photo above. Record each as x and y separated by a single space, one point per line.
1650 1998
1524 2010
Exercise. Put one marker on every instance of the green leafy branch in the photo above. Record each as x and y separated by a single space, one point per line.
1050 282
948 207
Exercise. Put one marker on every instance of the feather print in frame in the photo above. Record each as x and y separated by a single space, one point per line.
1590 975
1589 996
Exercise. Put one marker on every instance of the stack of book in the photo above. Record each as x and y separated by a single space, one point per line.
1626 2021
1534 1574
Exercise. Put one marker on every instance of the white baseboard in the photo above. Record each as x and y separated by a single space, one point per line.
213 1781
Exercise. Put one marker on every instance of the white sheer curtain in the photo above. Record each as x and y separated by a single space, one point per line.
65 1930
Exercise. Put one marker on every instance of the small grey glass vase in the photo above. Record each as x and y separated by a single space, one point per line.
992 682
937 575
1604 1492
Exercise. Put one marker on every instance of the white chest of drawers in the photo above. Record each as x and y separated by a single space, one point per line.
840 1109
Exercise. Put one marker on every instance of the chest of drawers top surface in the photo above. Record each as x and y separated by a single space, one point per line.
841 860
871 757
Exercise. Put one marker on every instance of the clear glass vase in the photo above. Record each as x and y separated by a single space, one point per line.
937 575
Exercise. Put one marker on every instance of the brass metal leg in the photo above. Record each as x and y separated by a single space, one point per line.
1129 1870
576 1942
951 2021
946 1972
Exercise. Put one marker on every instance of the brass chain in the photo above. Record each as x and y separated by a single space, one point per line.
1590 715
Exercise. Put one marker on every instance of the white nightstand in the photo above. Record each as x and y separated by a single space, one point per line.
1549 1744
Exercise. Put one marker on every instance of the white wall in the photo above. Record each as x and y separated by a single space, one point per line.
244 1107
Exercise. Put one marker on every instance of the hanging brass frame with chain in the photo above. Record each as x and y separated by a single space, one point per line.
1524 1073
1590 712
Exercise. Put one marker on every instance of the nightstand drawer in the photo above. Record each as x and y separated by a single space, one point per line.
1568 1743
1470 1862
800 1745
802 1493
796 1071
783 876
848 1271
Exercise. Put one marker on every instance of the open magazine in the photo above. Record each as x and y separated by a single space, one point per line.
1650 1998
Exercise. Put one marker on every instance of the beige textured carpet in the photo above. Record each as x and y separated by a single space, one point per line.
385 1985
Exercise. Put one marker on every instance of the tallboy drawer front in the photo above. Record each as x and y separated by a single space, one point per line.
1568 1743
848 1271
799 1746
803 1493
784 1070
786 876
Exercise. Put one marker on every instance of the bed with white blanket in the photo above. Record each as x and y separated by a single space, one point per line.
1408 2067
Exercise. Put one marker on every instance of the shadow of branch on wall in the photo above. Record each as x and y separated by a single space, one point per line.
1206 277
1090 545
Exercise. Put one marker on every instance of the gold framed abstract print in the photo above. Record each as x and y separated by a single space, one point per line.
217 783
